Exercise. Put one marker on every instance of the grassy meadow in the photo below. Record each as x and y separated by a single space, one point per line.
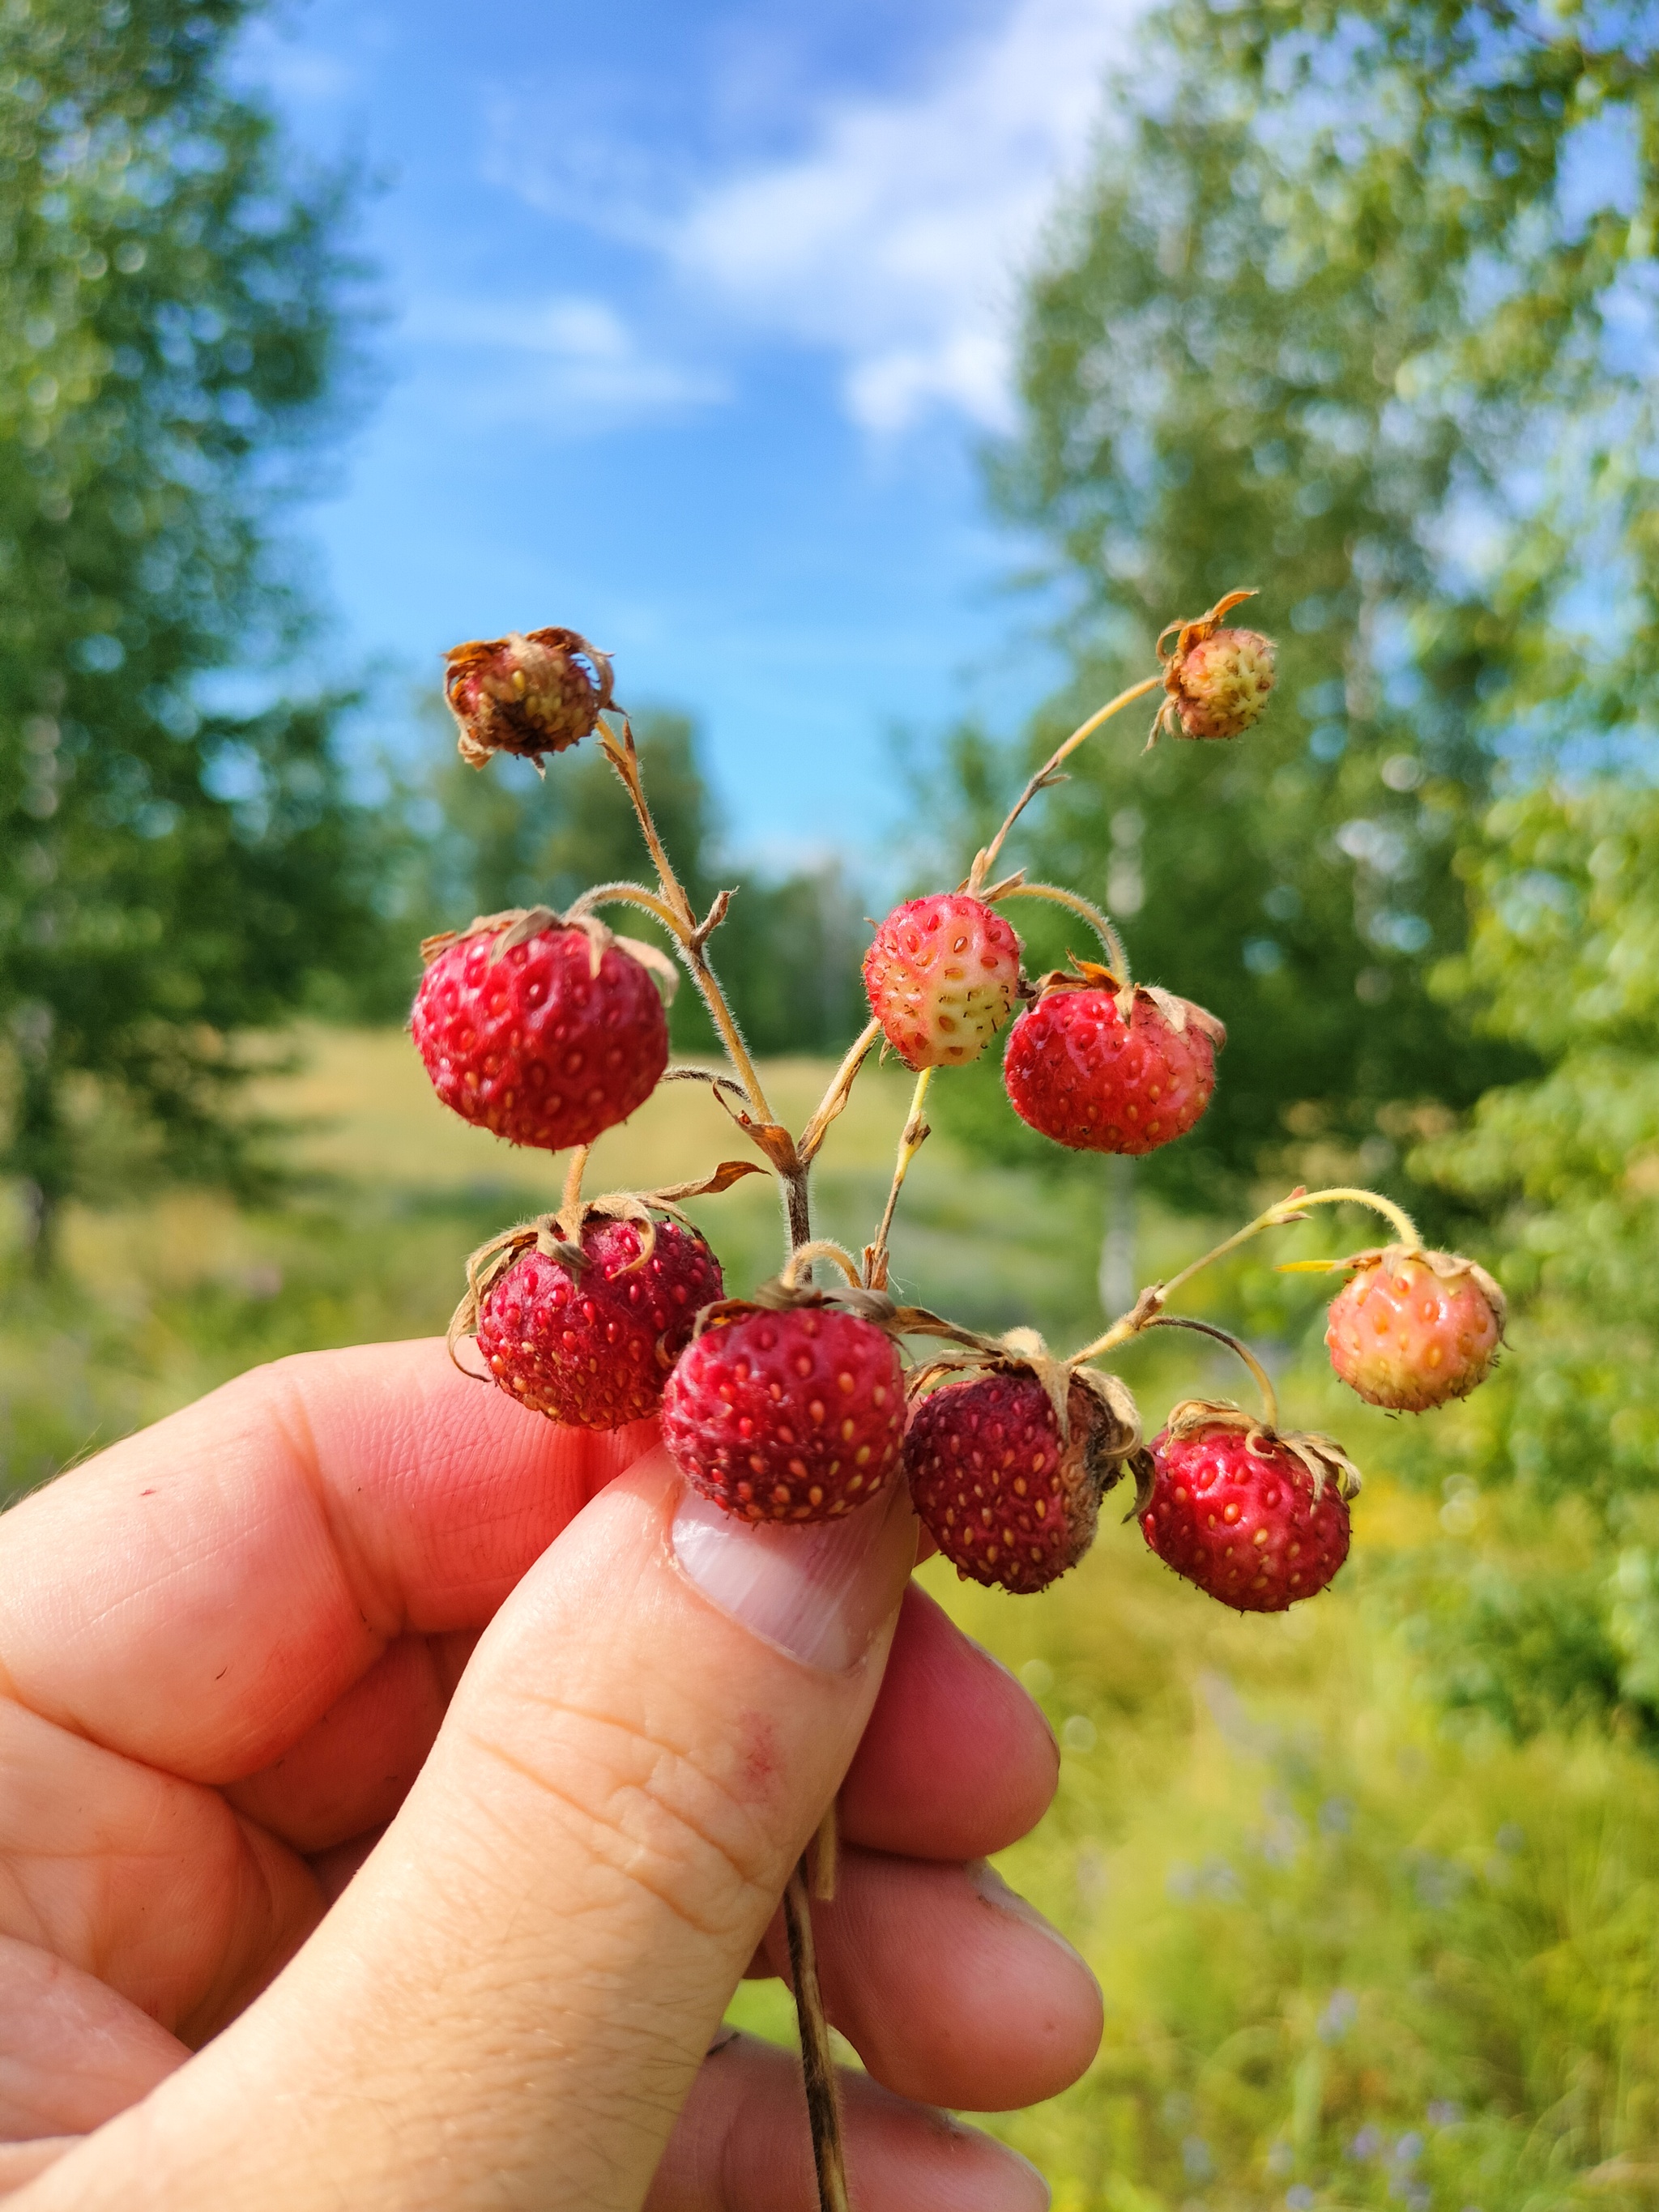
1351 1956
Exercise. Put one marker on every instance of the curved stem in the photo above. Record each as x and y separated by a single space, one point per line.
1396 1215
1263 1380
913 1137
1278 1215
630 894
985 859
819 1247
1117 959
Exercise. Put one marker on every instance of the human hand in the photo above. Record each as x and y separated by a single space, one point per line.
443 1845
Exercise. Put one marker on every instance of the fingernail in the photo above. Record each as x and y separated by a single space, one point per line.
820 1594
994 1891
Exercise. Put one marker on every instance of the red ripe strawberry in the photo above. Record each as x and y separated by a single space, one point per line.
1006 1500
543 1031
592 1345
1077 1071
1258 1521
942 974
791 1416
1413 1329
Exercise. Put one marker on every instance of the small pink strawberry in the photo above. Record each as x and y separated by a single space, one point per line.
942 976
544 1032
1255 1520
1220 687
591 1345
1413 1329
1217 680
796 1415
1077 1071
1007 1499
530 694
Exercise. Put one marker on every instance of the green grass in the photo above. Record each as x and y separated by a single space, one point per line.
1352 1956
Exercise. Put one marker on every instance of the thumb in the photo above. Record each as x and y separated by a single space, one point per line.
510 2002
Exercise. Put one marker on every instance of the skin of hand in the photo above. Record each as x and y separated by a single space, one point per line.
394 1787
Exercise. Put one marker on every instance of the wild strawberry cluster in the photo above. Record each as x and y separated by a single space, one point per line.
804 1403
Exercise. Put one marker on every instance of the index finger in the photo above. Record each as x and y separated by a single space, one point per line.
199 1595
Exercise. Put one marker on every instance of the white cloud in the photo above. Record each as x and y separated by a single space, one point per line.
896 237
564 362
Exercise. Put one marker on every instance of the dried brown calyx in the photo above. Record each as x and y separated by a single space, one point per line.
1321 1457
1181 1014
519 925
528 693
559 1235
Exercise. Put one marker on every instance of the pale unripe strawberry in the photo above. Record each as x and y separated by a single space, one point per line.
942 976
1413 1329
796 1415
528 693
1255 1520
1216 681
1007 1499
1220 685
1079 1072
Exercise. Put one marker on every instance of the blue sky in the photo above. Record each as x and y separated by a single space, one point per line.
697 317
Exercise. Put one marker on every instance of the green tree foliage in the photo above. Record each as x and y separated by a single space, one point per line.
789 951
1351 311
172 869
1564 956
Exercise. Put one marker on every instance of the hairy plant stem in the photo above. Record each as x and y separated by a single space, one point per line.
985 859
799 1265
1263 1380
1152 1300
570 1205
674 912
913 1137
797 1203
826 1851
840 1087
1101 923
818 2063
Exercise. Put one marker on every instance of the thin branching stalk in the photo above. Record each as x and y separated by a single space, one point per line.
1263 1380
677 916
817 2062
1284 1211
675 913
985 859
913 1137
841 1084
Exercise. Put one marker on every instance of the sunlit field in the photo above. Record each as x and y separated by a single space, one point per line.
1350 1957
